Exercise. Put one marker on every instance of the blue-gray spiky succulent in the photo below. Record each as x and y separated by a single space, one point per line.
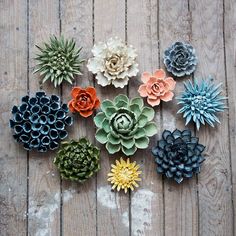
201 101
40 122
180 59
178 155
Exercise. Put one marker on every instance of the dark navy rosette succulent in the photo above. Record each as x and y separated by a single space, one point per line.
180 59
178 155
40 122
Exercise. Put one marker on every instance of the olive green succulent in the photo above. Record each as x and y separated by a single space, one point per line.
58 60
77 160
124 125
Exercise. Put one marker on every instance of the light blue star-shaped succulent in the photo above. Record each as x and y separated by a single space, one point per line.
201 101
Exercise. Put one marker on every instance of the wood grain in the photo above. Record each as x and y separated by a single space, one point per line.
181 213
13 159
76 22
147 202
215 203
112 207
205 206
230 62
44 181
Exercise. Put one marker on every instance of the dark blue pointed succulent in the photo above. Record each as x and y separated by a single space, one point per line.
178 155
40 122
201 101
180 59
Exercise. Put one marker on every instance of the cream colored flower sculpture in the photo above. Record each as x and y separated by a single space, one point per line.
113 63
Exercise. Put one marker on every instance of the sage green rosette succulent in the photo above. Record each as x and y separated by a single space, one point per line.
124 125
77 160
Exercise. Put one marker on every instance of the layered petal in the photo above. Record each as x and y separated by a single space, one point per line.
145 77
86 113
167 96
159 74
71 107
91 91
99 50
95 65
143 90
102 80
120 83
153 102
170 81
75 91
97 103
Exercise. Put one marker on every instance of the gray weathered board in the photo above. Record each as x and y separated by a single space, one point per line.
35 201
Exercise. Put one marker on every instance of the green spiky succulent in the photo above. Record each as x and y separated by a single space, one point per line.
58 61
124 125
77 160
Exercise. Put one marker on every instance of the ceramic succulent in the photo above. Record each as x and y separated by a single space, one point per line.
84 101
201 101
124 125
58 60
156 87
178 155
180 59
113 63
40 122
77 160
124 175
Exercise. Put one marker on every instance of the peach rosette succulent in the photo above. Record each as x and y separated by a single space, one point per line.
84 101
157 87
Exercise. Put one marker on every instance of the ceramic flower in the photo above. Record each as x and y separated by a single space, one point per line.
77 160
58 60
124 125
113 63
178 155
84 101
201 102
40 122
157 87
124 175
180 59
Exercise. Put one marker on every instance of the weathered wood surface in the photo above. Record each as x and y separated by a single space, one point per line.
34 200
215 199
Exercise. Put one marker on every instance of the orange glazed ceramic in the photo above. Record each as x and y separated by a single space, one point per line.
84 101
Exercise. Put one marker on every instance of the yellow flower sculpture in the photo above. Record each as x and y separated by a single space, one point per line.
124 175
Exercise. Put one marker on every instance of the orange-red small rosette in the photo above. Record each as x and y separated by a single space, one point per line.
84 101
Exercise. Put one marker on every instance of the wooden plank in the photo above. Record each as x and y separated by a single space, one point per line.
13 158
147 202
230 53
112 207
77 23
44 181
215 206
181 213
